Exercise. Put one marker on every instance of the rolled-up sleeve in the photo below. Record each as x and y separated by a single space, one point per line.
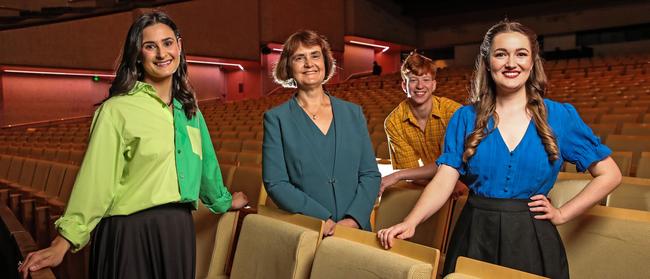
97 181
213 193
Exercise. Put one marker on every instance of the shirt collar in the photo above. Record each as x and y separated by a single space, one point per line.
407 114
143 87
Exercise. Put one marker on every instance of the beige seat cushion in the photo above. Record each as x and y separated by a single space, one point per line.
397 202
565 190
269 248
214 234
632 193
608 242
341 258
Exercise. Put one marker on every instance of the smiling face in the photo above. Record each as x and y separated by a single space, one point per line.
510 62
160 53
308 66
419 89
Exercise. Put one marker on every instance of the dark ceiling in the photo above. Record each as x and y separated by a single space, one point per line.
446 13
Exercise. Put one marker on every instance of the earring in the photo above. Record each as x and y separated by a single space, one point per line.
138 61
292 83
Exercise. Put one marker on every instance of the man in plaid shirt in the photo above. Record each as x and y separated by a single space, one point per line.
416 127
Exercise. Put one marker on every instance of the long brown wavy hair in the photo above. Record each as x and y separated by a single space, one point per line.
483 92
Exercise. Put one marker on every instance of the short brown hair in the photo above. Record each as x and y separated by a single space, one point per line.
418 65
282 70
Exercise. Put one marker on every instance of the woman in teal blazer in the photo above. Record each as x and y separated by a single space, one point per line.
317 155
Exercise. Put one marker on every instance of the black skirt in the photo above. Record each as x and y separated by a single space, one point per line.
158 242
504 232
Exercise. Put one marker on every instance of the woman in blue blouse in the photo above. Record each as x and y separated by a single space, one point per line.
508 146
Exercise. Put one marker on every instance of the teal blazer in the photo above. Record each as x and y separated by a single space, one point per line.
294 178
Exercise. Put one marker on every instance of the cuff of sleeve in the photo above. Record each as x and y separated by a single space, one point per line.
77 234
220 205
589 157
452 161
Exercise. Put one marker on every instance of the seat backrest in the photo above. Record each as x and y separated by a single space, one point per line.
68 182
252 145
471 268
215 234
565 190
608 242
13 174
382 151
249 159
27 172
288 249
49 154
55 180
227 157
62 155
248 179
5 163
233 145
76 156
393 209
40 174
227 171
643 168
636 129
624 161
632 193
353 253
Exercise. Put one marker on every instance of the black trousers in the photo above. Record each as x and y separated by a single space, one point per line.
504 232
158 242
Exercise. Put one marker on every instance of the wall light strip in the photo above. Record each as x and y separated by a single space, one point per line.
58 73
216 63
385 48
277 49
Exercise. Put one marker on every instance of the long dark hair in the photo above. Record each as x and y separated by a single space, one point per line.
483 91
129 71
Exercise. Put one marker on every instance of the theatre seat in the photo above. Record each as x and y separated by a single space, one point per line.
397 202
272 248
608 242
632 193
467 268
215 234
353 253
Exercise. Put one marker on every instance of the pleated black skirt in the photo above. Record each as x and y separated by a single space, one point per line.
504 232
158 242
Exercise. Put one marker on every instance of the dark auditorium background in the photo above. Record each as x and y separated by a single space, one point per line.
57 60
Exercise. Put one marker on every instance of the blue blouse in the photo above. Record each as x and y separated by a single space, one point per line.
496 172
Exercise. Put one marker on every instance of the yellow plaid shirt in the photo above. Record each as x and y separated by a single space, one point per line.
408 143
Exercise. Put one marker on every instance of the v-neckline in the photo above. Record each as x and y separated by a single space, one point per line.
311 121
520 140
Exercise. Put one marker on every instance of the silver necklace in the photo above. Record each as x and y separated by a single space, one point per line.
314 115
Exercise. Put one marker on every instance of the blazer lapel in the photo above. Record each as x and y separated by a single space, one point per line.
338 125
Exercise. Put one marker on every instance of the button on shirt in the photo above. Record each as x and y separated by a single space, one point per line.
408 144
140 156
496 172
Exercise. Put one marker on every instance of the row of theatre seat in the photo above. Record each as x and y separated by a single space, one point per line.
605 242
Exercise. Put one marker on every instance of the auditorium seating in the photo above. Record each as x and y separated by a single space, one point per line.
215 234
608 242
272 247
467 268
352 253
392 210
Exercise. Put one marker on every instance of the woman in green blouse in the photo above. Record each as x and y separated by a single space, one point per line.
148 161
